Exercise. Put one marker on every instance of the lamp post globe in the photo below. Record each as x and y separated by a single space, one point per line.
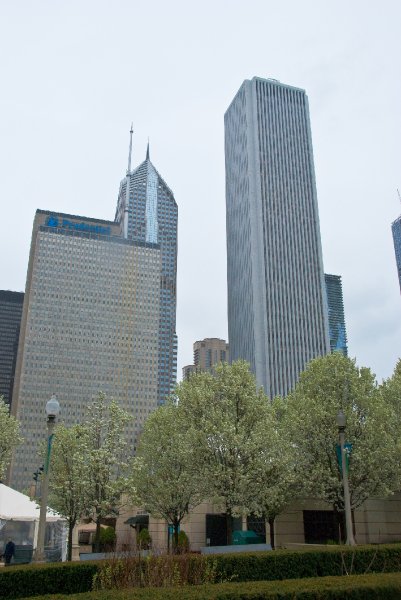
341 419
52 407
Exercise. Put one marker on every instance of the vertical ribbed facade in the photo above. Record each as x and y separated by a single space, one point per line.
277 316
147 204
10 320
335 310
396 229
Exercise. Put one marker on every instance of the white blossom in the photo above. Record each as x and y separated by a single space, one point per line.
9 436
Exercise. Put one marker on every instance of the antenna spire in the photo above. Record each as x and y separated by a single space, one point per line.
130 148
147 151
399 195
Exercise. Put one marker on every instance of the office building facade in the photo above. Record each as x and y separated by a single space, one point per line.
148 213
396 230
277 318
207 354
90 323
10 320
210 352
187 371
336 318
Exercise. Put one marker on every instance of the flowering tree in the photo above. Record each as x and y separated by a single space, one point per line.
328 384
232 428
164 478
391 390
9 436
277 480
106 459
68 476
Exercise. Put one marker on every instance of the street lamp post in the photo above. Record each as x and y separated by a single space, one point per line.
341 422
52 410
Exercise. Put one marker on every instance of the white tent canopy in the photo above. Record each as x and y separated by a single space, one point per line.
15 506
19 521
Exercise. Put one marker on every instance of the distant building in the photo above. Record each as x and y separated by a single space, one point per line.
10 320
148 213
187 371
210 352
207 354
396 229
90 322
277 317
335 306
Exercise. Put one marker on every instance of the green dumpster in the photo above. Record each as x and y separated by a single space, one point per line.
23 554
247 537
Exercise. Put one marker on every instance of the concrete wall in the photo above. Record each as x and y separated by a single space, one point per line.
377 521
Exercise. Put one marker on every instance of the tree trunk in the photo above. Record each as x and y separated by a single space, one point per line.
271 529
339 518
97 536
229 523
176 526
71 526
353 524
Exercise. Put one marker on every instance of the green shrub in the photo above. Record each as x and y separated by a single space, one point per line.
53 578
183 543
164 571
143 539
286 564
107 539
70 578
381 586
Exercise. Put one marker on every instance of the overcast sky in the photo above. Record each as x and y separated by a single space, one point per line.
75 73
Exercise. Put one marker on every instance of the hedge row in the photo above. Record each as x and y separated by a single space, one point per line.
288 564
383 586
51 578
73 578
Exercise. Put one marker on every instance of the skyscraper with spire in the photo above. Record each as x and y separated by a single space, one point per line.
148 213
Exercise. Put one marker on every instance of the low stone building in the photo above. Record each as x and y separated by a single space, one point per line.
307 521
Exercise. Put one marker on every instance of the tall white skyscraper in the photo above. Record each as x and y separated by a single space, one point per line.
277 314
